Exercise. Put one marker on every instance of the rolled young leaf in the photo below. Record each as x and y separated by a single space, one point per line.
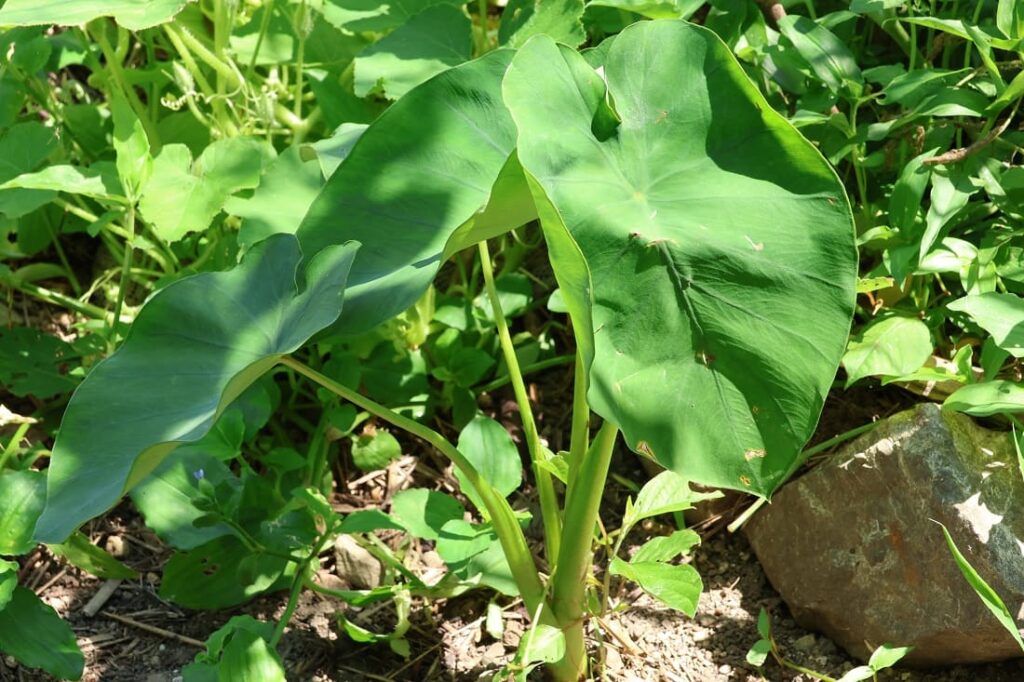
718 242
193 349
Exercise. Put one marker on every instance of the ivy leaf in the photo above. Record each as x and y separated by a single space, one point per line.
182 197
132 14
201 341
696 252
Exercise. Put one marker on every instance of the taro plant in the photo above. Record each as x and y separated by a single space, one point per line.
704 251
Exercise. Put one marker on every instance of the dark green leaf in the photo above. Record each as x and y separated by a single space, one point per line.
179 368
36 636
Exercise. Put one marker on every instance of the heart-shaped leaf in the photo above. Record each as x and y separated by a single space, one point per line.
708 229
193 349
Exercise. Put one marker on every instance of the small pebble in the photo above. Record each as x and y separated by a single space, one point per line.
116 547
725 669
805 643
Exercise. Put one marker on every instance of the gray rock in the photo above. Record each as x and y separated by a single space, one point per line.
853 550
355 565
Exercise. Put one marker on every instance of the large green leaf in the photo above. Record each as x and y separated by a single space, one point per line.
194 347
432 41
414 188
134 15
710 228
34 634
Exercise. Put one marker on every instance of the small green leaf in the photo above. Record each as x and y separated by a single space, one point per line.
424 512
97 182
24 494
489 448
134 163
987 595
373 452
678 586
30 363
84 555
665 493
861 672
541 644
1001 315
764 624
758 653
248 658
893 346
208 576
367 520
36 636
887 656
8 581
666 547
828 57
987 398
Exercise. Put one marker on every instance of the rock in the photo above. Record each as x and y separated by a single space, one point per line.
853 550
355 564
805 644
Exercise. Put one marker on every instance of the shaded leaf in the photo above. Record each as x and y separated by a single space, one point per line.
211 576
84 555
31 363
36 636
118 428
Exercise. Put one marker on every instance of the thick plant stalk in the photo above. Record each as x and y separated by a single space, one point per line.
545 486
513 542
573 567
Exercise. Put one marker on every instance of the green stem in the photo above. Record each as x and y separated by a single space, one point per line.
12 446
545 485
268 11
59 299
513 542
528 369
126 266
117 74
300 57
579 439
568 584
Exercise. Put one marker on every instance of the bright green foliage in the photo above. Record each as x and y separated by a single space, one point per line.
182 196
424 512
704 253
237 651
487 445
1001 315
376 451
892 346
677 585
250 317
434 40
557 19
988 398
20 505
34 634
132 14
